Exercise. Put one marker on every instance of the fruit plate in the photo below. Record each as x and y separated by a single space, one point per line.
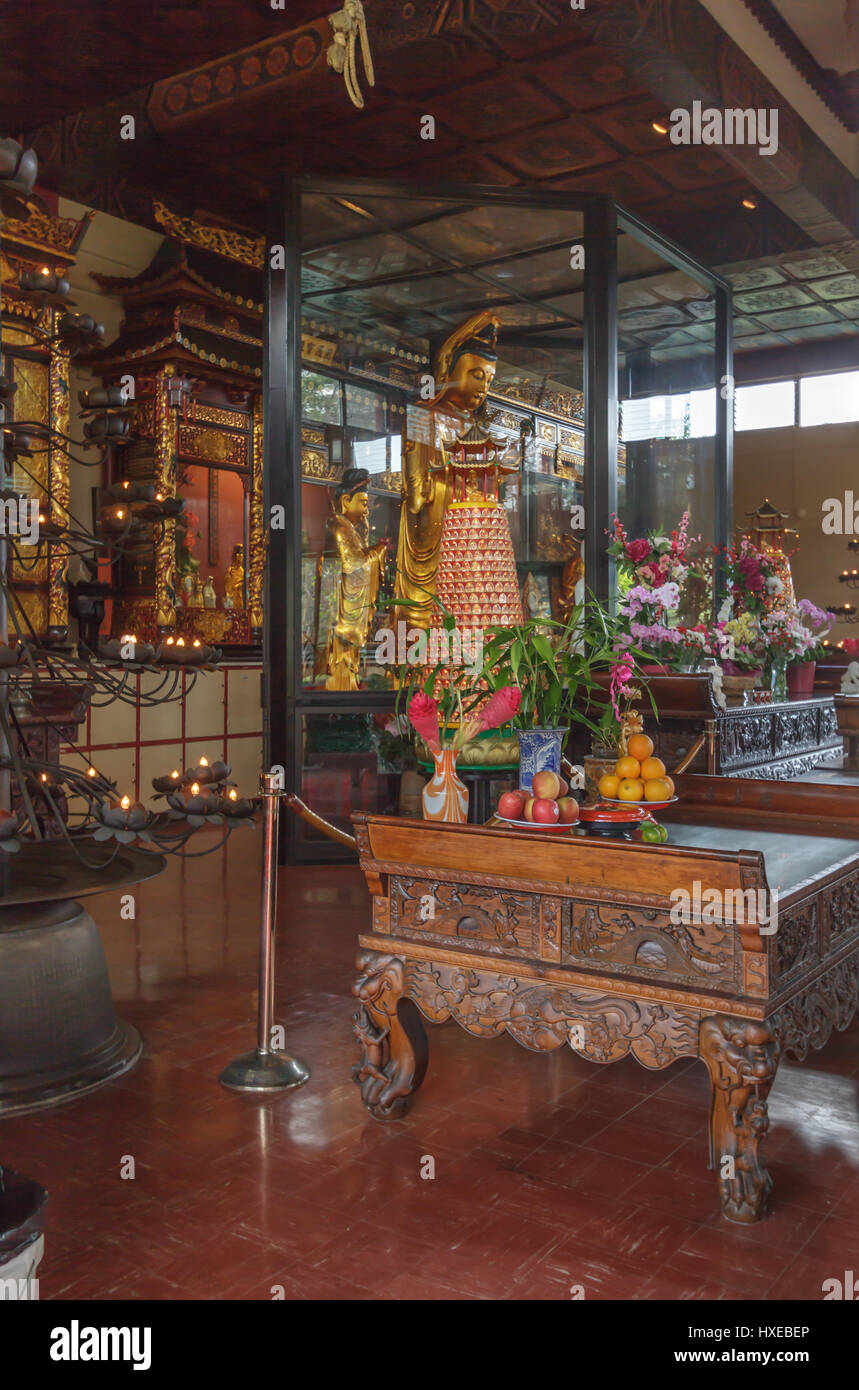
556 826
645 805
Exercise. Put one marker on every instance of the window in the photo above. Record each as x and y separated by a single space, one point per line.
690 415
765 407
829 400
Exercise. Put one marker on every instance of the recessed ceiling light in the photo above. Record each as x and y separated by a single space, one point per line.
660 127
750 204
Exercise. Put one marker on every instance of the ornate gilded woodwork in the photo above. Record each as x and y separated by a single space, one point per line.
257 528
60 490
165 479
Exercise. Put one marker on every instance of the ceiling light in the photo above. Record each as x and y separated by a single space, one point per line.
660 127
750 204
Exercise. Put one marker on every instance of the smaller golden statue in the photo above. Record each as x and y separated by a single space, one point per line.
234 579
360 575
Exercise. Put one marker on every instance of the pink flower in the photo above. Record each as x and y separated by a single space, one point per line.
750 569
423 713
501 707
637 550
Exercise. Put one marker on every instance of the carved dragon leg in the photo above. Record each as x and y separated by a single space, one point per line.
394 1050
742 1056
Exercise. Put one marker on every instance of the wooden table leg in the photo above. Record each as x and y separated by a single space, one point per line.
394 1051
742 1056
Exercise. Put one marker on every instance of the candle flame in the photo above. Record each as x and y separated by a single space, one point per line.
234 796
175 774
119 514
169 641
45 270
125 803
195 789
196 641
180 641
91 772
204 762
126 483
44 777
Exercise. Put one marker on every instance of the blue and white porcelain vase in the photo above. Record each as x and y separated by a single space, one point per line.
539 751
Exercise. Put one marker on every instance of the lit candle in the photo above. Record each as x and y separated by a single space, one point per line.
125 802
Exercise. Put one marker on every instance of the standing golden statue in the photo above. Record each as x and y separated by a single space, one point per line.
454 539
360 573
234 579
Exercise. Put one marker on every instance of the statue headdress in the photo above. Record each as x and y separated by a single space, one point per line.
478 335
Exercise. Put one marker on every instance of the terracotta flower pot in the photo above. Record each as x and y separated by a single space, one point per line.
445 797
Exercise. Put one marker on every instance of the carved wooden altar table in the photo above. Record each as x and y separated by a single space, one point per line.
568 940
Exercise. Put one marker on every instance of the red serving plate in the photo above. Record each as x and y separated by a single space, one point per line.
607 819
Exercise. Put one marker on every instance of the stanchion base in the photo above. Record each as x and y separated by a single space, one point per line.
264 1071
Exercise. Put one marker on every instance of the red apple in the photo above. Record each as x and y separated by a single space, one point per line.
511 805
565 787
528 808
568 810
546 785
545 810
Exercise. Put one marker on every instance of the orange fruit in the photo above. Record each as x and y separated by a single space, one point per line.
627 767
656 789
608 785
630 789
652 767
640 746
670 785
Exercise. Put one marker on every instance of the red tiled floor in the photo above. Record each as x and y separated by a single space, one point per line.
550 1173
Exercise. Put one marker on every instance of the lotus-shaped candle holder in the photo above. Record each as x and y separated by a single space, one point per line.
208 774
173 783
198 805
127 649
123 820
236 807
179 651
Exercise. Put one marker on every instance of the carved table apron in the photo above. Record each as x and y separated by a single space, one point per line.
570 941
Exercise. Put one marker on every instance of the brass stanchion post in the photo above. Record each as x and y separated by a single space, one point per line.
266 1068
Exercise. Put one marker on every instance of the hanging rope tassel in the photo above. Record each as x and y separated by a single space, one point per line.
348 25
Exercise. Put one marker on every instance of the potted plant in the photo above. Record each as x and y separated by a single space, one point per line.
556 666
801 665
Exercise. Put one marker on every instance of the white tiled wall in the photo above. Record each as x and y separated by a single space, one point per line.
219 717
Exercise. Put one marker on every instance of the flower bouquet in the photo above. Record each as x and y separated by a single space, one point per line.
445 796
658 577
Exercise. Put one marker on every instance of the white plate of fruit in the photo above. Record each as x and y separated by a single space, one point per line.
547 806
638 776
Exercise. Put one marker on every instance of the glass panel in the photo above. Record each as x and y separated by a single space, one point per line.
829 400
355 762
667 390
492 446
765 407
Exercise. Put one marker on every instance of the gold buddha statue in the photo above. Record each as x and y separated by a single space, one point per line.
234 579
454 541
360 574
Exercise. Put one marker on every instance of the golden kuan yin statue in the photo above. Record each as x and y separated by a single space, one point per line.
455 542
360 574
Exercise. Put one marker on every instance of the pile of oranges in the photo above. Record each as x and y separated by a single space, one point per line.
637 776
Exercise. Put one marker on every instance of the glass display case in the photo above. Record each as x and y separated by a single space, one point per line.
461 389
